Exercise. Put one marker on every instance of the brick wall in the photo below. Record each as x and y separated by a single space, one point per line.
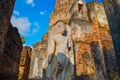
25 63
113 14
10 43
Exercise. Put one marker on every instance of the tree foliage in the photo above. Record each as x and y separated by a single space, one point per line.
23 39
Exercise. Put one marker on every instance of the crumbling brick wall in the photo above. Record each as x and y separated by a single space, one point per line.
25 63
10 43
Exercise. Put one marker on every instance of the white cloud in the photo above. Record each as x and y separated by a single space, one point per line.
22 23
33 4
37 25
30 2
36 29
42 12
17 13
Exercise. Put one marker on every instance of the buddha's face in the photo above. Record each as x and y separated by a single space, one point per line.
62 29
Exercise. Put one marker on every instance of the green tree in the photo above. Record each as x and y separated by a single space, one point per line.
23 39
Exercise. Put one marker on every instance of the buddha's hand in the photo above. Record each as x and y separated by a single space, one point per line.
50 59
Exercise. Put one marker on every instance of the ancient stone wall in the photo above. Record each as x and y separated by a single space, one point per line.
10 43
113 14
35 61
24 63
43 53
82 37
76 13
101 28
38 59
10 56
6 8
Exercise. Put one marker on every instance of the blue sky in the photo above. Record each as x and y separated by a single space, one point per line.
31 17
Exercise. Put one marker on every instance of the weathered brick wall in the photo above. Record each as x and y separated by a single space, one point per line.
82 38
10 43
6 8
93 45
101 28
76 13
10 56
39 53
113 14
61 7
69 8
24 63
43 54
35 61
96 45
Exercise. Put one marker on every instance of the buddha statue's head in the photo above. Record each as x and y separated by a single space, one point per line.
62 27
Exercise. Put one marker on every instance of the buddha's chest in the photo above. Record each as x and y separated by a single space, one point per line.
61 40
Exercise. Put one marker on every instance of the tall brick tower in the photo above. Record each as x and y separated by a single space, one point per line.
61 11
65 10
